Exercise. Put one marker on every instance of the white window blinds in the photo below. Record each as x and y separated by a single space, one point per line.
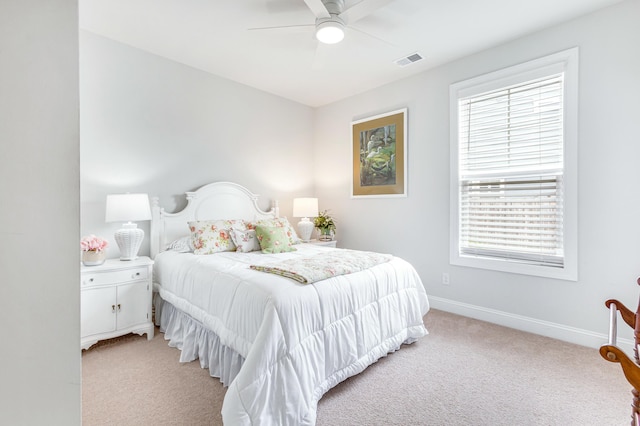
511 172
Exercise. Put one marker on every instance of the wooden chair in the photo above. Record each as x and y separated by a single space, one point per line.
612 353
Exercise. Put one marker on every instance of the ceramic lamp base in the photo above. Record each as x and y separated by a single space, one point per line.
305 228
129 239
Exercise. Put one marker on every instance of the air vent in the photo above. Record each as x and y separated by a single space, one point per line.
408 60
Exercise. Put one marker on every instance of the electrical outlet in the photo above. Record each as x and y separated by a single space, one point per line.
445 278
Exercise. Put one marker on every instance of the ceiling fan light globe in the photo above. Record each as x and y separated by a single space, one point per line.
330 32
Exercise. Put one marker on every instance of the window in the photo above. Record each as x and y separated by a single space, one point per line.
513 165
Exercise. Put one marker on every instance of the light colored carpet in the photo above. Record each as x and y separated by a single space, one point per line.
465 372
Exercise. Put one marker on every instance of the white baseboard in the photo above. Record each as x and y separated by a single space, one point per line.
544 328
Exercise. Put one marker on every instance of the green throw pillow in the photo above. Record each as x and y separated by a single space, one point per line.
273 239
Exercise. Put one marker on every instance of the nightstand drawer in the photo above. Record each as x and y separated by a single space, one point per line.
114 277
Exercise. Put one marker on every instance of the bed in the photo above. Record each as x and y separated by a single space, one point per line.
278 343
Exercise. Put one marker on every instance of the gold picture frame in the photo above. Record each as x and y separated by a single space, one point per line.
379 149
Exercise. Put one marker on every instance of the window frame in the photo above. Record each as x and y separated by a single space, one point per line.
567 62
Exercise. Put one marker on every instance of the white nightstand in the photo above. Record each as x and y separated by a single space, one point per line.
115 299
331 243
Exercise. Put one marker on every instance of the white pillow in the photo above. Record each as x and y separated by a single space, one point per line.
245 240
181 245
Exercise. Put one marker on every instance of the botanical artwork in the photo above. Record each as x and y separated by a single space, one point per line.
379 155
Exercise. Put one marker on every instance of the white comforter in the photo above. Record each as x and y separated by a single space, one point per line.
298 340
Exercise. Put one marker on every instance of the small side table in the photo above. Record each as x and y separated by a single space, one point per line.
332 243
115 299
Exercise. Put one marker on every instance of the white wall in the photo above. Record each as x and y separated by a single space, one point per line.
417 227
39 214
152 125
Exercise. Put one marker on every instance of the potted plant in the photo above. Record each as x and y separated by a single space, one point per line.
93 250
325 225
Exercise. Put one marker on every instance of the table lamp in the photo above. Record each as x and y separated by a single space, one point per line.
305 208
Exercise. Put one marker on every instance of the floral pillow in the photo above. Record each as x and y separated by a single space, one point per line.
245 239
212 236
274 239
280 222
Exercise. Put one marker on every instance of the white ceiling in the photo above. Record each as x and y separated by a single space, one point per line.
214 36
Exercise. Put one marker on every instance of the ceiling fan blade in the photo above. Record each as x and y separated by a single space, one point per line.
287 28
320 56
362 9
284 6
318 9
371 36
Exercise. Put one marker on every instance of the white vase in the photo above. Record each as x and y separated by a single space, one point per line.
93 257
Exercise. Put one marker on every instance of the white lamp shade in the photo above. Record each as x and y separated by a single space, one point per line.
128 208
305 207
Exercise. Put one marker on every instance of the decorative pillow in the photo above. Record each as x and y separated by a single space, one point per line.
274 239
245 240
181 245
212 236
281 222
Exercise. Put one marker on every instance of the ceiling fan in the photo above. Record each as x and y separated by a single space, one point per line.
332 19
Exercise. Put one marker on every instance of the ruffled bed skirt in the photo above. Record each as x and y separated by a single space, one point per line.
196 342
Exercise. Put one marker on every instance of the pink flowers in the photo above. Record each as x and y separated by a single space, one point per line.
93 243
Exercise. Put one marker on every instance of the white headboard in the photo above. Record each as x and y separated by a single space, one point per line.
218 200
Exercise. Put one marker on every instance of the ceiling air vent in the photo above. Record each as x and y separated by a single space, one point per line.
408 60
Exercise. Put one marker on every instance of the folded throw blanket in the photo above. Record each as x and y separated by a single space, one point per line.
324 265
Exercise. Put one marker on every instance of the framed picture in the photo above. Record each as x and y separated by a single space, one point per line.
380 155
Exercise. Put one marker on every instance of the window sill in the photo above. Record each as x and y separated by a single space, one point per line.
566 273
